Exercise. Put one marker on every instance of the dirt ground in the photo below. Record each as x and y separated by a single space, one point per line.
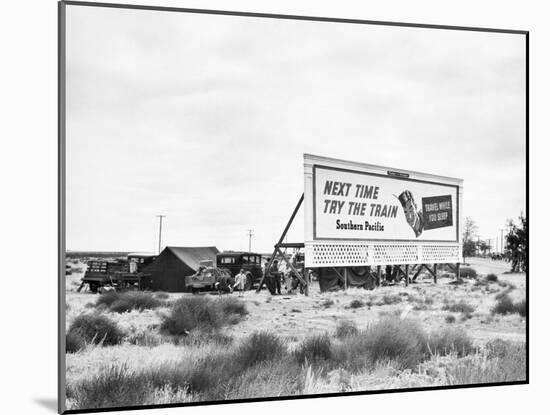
296 316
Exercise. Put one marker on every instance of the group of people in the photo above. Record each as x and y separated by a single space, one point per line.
226 285
273 280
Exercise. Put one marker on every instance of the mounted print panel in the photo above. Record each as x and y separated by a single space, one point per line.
264 207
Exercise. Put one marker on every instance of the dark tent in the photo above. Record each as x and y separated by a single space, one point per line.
175 263
329 280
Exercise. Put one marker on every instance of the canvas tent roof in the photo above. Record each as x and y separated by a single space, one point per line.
174 263
192 256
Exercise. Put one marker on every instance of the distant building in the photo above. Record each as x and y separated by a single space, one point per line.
175 263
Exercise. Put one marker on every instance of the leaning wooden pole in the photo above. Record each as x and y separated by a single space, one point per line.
281 239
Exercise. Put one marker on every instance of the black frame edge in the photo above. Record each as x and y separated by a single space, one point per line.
292 17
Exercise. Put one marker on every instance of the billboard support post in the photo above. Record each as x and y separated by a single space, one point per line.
277 251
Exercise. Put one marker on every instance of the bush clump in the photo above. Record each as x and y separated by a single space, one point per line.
388 299
229 305
314 349
467 272
459 307
391 338
122 302
346 328
259 347
113 385
202 313
501 362
74 341
492 277
356 304
162 295
450 340
450 319
505 305
94 328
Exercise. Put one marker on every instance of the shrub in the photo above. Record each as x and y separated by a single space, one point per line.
466 316
314 349
190 313
521 308
269 378
229 305
327 303
496 348
505 305
356 304
420 307
491 277
202 313
449 340
467 272
392 338
391 299
460 307
199 338
450 319
162 295
106 299
506 363
95 328
260 346
134 300
112 385
346 328
75 341
503 294
121 302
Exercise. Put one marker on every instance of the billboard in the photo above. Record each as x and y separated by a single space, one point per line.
382 205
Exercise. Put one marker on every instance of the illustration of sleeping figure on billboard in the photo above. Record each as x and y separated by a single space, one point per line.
436 212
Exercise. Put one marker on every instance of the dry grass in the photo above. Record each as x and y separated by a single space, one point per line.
314 349
364 351
346 328
459 307
122 302
202 313
505 305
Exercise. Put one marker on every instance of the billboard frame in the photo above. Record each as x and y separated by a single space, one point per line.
375 251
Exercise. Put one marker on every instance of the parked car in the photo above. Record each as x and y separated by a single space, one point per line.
250 262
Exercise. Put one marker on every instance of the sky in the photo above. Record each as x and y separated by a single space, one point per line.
205 119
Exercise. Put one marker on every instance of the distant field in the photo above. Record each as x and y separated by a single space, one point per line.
95 254
176 347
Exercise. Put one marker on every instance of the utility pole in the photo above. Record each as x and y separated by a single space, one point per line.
250 234
501 239
160 229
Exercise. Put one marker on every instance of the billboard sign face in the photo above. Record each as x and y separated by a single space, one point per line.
360 205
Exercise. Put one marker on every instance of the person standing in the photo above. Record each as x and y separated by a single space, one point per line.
240 281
